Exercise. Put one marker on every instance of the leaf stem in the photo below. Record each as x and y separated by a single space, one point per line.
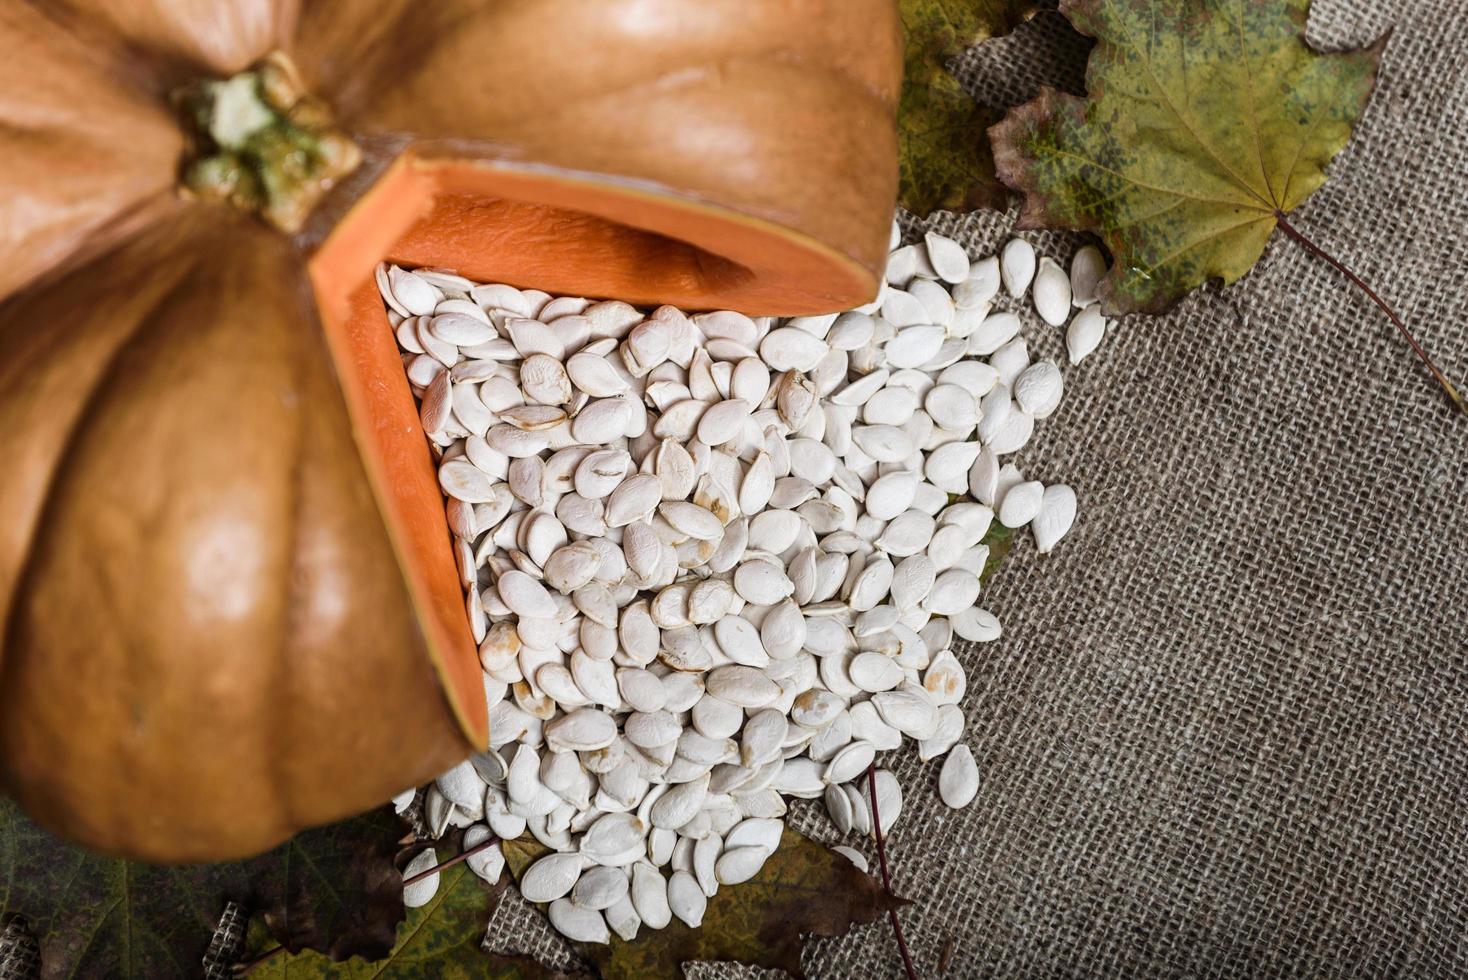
886 877
243 969
483 845
1316 250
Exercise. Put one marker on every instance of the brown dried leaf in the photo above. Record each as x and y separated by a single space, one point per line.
444 938
804 889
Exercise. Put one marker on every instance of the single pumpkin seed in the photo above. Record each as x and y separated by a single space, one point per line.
1085 333
1056 515
686 899
550 878
1052 292
1017 266
1087 267
650 895
575 922
1021 504
739 864
958 780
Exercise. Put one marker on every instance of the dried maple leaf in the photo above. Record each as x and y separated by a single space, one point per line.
334 888
803 889
945 157
1205 122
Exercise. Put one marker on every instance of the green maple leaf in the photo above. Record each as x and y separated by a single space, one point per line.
944 147
803 889
1000 540
334 888
1205 121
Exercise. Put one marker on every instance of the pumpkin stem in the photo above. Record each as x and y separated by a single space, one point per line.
260 142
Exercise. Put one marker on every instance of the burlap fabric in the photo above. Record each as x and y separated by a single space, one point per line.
1226 731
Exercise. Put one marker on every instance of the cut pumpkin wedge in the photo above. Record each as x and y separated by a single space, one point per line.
175 428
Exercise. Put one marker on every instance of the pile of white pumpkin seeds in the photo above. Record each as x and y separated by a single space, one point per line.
713 561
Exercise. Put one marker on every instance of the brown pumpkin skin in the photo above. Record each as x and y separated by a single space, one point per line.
229 606
211 639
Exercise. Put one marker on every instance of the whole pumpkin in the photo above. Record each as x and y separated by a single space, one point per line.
228 600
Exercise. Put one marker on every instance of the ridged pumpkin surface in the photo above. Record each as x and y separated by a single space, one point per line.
230 609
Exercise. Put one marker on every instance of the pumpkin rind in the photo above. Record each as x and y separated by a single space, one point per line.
771 110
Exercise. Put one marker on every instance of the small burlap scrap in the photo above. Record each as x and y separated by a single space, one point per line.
19 957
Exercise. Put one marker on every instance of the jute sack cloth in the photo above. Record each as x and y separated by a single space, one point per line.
1226 730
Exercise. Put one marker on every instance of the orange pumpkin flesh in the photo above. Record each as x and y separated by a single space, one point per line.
229 601
491 236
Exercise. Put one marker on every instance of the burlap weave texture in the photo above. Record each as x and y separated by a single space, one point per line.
1226 731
